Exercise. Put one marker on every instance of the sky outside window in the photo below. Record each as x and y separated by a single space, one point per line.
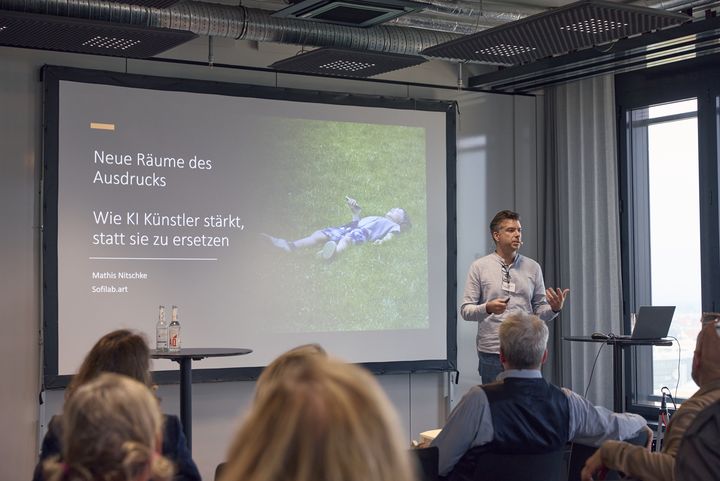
675 238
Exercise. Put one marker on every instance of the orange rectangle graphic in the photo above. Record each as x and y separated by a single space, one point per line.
101 126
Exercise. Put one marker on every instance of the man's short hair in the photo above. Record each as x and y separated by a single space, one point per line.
405 224
523 340
501 216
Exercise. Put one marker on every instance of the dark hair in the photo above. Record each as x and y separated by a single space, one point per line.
122 352
501 216
405 224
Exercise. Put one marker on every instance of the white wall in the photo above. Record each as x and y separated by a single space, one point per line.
495 170
496 166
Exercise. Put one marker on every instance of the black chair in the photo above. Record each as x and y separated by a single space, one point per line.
219 470
698 457
517 467
577 454
427 462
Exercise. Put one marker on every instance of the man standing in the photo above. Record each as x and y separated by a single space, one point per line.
503 282
660 466
523 413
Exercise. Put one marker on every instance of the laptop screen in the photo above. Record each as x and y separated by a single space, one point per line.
653 322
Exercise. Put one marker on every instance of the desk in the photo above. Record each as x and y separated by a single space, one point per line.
184 357
619 344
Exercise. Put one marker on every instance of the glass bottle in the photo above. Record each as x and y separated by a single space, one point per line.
161 332
174 331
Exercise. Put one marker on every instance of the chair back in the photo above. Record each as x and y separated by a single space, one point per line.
516 467
219 470
427 462
576 456
578 453
698 457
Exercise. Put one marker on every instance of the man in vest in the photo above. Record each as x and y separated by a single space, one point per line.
660 466
522 413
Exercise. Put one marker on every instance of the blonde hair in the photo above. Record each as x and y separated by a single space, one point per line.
110 430
284 364
523 340
324 421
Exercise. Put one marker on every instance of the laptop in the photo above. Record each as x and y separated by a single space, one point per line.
652 322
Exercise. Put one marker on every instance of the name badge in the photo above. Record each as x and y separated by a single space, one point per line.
508 286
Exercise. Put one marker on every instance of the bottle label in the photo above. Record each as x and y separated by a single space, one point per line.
161 342
161 331
174 340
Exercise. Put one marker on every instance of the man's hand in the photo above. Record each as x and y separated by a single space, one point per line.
593 465
387 237
354 206
497 306
556 298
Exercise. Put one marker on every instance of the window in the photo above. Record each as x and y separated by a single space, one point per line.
668 143
664 161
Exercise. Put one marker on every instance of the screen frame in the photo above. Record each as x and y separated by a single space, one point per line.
51 76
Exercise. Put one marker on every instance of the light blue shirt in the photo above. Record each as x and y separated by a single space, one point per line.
485 283
470 423
378 227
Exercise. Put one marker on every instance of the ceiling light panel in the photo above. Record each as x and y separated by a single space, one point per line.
577 26
346 63
67 34
692 40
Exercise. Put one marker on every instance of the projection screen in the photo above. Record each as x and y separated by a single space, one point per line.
271 217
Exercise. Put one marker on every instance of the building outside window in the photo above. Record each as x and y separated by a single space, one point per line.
668 136
667 189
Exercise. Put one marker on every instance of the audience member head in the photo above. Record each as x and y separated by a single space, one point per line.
706 361
123 352
324 421
523 341
112 429
499 218
285 364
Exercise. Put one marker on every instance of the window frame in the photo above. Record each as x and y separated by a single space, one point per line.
698 78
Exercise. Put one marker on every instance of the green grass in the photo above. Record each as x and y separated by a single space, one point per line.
368 287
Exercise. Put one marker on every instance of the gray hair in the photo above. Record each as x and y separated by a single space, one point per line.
523 340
